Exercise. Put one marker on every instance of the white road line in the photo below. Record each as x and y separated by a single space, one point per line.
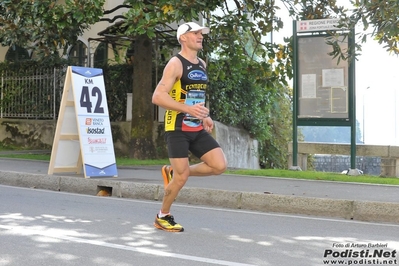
26 231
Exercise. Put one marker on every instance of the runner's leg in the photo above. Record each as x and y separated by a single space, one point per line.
213 163
181 173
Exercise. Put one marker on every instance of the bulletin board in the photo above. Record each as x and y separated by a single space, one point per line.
322 81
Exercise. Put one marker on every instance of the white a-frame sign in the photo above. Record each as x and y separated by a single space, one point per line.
83 136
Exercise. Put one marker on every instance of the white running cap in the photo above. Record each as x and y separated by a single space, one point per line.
190 26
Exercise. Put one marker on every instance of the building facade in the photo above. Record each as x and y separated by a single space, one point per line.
91 48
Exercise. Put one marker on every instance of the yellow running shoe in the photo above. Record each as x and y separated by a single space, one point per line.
167 174
168 223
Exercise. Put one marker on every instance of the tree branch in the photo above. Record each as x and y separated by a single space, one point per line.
106 12
110 20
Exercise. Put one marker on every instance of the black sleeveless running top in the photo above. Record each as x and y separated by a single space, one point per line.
190 89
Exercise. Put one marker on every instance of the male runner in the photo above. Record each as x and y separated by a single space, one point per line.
181 91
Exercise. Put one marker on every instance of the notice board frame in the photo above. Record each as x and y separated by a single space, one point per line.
328 29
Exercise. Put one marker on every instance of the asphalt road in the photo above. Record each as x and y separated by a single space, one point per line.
39 227
278 186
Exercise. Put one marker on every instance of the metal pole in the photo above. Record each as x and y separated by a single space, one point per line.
294 101
353 100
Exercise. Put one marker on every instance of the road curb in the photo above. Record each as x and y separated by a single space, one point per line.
335 208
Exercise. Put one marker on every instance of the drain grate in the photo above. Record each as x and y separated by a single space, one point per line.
104 191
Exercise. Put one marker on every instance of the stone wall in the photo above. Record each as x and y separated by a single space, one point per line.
339 163
27 134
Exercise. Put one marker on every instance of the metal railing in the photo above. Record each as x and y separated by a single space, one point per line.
33 94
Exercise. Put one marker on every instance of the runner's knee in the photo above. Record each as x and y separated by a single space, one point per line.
179 181
220 168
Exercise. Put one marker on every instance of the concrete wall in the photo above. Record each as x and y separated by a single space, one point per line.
240 149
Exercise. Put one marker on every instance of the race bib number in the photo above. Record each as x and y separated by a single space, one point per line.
193 97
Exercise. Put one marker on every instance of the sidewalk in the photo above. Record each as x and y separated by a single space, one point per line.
379 203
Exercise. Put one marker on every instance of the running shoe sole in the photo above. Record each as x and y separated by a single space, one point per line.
165 174
167 230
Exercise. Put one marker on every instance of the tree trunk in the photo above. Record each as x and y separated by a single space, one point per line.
141 142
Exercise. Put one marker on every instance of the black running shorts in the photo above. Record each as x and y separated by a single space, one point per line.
198 143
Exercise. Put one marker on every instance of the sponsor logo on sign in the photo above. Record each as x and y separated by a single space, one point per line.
96 141
97 130
98 149
98 121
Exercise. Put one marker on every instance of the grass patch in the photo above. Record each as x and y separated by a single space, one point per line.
312 175
119 161
132 162
27 156
308 175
